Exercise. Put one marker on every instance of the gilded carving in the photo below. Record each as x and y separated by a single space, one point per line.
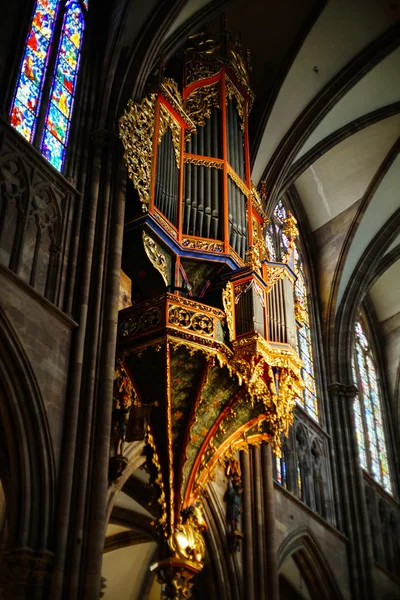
290 230
167 120
201 102
156 257
238 181
198 322
232 92
228 302
136 129
204 162
165 224
196 244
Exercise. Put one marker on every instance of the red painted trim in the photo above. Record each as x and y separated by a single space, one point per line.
209 81
173 112
225 211
205 444
181 185
155 150
205 158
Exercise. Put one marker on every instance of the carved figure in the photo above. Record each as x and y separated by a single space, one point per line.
187 541
233 495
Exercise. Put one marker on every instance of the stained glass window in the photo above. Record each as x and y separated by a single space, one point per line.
29 100
277 244
368 412
58 119
28 92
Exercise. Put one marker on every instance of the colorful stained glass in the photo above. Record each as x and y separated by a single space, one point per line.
28 92
270 246
280 212
368 413
55 134
309 400
299 486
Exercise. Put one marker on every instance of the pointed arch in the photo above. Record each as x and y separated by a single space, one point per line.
303 547
28 473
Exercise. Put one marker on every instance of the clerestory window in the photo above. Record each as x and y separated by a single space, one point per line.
43 101
278 244
368 412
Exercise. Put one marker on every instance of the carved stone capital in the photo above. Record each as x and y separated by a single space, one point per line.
24 570
341 390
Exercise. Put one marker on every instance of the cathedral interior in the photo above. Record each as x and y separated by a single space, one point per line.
200 300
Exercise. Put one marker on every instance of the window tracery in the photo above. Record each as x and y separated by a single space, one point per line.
277 244
29 101
368 412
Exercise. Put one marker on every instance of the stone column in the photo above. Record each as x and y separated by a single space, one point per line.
248 554
353 502
271 557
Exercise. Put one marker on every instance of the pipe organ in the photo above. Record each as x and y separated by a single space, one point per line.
210 339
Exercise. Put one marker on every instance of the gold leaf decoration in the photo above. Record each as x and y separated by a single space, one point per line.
136 130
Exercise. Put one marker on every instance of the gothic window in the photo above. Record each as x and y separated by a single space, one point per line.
30 103
277 244
368 412
281 466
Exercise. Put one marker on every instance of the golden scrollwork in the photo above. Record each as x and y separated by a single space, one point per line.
256 203
198 322
170 91
158 481
165 224
204 162
207 245
231 91
201 101
228 302
291 231
300 312
136 129
167 120
238 181
253 259
276 273
156 257
144 321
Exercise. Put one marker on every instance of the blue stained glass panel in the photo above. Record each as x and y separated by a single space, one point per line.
24 108
22 119
27 93
57 123
52 150
59 113
61 98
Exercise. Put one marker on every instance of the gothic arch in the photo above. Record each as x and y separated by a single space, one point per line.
28 470
305 550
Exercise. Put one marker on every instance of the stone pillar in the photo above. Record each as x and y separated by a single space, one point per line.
82 514
248 554
353 502
271 557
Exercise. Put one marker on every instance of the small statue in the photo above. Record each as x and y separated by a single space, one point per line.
187 541
233 495
123 401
